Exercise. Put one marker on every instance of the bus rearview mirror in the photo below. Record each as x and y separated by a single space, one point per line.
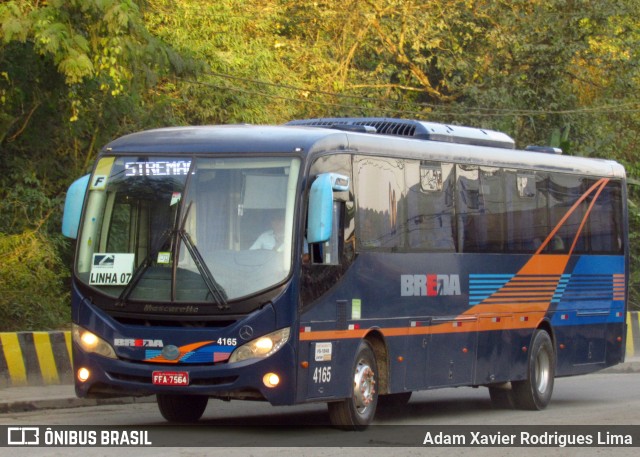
320 220
73 207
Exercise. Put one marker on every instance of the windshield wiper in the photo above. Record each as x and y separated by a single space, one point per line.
217 292
140 270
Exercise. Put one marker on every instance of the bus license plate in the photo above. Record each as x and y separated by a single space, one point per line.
170 378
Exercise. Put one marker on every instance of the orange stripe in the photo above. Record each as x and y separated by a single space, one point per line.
183 350
545 264
509 292
508 295
511 295
567 215
333 334
586 214
512 302
516 287
444 328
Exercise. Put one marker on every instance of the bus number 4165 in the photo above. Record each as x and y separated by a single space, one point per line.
322 375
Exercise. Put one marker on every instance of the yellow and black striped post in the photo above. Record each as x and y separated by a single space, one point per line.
633 334
35 358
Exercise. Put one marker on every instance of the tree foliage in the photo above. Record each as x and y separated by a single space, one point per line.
76 73
73 74
32 292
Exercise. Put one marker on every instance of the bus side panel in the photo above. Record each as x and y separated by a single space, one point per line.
468 319
451 358
495 357
324 370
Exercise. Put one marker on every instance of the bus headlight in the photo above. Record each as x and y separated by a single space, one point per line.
261 347
90 342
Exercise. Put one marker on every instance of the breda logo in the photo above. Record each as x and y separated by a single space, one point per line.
137 343
429 285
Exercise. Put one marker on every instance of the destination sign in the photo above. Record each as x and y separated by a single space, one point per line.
111 269
158 168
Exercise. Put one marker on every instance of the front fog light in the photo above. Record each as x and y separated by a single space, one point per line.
83 374
261 347
92 343
271 380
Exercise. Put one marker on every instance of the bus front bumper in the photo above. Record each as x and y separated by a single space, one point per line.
249 379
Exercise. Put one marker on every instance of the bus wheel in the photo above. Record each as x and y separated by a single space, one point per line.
182 408
356 412
535 392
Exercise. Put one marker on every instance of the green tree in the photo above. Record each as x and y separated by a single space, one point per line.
245 65
73 74
76 73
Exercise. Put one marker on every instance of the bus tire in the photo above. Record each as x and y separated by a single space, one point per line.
534 393
182 408
357 411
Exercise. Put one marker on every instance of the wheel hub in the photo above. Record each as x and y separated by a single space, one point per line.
363 386
542 372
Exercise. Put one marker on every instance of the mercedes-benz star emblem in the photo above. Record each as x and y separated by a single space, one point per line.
246 332
170 352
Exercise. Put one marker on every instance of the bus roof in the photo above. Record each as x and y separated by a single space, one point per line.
311 141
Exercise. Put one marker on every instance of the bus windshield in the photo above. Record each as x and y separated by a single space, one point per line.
191 230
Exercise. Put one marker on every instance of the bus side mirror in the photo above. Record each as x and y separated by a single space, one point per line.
320 221
73 207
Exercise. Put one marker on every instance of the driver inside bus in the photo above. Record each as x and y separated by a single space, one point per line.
273 238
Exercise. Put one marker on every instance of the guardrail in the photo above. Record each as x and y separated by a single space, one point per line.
44 358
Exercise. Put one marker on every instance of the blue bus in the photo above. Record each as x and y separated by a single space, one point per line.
343 260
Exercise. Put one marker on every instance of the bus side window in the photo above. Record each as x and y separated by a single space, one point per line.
526 200
564 193
429 206
604 225
379 185
480 208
